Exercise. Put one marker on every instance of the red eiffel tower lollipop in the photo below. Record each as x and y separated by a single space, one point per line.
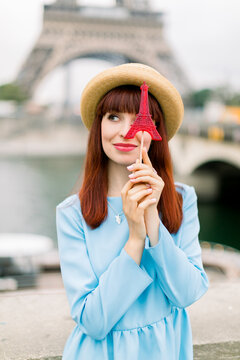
143 121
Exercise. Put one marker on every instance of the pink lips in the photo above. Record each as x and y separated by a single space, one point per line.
125 147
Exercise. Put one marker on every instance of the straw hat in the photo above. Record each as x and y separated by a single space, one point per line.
133 74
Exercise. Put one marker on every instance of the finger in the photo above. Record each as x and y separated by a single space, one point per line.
140 194
138 173
126 188
138 187
137 166
147 179
147 203
145 157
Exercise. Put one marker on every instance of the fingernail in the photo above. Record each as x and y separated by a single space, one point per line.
149 190
153 200
130 167
131 175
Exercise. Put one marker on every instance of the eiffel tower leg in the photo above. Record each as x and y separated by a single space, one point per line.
71 31
67 92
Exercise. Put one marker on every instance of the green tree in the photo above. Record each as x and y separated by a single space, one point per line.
13 92
234 100
224 94
198 98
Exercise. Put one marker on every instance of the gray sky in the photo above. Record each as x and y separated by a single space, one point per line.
204 35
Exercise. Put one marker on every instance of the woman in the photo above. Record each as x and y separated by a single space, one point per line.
129 250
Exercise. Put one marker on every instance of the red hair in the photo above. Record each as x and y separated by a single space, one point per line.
93 192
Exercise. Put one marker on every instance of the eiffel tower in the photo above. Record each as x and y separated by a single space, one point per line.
127 32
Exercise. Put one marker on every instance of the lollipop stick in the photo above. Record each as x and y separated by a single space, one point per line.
140 156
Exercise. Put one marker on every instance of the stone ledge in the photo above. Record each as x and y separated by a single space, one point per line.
219 351
35 324
49 358
226 350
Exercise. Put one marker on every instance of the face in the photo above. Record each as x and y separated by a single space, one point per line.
122 151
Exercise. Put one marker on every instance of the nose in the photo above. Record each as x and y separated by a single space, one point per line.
125 125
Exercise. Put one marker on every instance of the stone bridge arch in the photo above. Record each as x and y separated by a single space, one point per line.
191 153
212 167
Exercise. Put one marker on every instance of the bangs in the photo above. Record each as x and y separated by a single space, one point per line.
126 99
122 99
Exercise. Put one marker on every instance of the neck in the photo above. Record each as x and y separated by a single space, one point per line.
117 178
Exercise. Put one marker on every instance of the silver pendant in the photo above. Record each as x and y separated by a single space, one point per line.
118 219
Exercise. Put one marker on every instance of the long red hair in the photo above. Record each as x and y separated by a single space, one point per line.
94 189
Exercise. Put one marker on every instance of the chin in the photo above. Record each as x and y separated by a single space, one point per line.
128 160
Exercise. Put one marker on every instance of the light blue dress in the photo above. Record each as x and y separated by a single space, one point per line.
124 311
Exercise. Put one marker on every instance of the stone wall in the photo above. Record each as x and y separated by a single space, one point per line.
36 324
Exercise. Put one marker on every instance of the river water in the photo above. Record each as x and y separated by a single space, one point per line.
30 189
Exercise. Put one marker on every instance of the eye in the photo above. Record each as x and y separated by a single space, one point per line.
113 117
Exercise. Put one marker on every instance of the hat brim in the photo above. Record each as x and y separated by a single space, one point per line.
134 74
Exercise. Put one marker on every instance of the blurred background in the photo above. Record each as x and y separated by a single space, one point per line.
51 49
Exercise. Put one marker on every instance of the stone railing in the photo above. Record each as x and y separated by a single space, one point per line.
35 324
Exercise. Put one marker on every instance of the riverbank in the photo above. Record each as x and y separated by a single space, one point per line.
42 139
35 324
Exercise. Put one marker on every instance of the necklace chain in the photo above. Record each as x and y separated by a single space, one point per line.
117 215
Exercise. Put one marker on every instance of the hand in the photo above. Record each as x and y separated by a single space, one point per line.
135 202
145 173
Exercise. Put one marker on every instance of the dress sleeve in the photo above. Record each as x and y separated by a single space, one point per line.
97 304
179 269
